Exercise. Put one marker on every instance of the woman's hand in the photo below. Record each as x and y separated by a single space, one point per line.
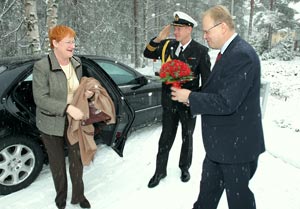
75 113
88 94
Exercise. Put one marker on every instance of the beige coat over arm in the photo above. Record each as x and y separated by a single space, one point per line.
82 134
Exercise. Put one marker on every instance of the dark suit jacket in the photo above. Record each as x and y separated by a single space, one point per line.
195 55
229 103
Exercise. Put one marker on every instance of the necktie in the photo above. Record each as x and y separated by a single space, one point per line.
181 49
219 56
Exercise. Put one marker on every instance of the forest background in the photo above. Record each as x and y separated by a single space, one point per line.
121 28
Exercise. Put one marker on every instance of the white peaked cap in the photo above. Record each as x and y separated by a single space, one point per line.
181 18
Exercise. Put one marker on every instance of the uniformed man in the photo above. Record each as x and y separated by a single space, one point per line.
183 48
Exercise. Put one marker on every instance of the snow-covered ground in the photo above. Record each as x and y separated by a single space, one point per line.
112 182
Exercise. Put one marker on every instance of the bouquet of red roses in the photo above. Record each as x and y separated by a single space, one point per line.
175 72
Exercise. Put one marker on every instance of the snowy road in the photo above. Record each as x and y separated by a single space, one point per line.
112 182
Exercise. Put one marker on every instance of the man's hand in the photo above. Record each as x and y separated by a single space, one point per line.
163 34
75 113
180 95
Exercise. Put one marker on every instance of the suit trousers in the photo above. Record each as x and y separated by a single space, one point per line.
171 116
56 153
234 178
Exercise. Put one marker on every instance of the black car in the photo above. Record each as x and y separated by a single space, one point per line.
137 100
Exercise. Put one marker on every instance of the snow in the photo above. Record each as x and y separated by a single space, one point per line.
112 182
296 6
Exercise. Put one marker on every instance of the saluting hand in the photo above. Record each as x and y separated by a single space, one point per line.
163 34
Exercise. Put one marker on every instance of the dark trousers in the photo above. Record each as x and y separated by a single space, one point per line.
234 178
56 154
170 119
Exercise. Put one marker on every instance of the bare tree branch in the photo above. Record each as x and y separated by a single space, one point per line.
11 32
4 11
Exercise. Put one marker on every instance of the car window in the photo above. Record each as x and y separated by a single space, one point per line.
2 68
118 73
29 78
23 95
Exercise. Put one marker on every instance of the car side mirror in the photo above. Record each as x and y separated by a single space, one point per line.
141 81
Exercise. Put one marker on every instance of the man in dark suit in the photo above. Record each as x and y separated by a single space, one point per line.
196 56
229 103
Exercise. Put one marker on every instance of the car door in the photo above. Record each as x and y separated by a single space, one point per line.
22 106
114 135
19 98
142 93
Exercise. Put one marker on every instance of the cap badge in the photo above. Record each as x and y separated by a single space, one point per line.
176 17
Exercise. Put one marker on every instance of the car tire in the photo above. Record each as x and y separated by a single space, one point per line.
21 161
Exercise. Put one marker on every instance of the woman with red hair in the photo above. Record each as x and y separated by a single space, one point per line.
55 79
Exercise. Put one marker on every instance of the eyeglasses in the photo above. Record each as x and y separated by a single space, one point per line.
70 42
208 30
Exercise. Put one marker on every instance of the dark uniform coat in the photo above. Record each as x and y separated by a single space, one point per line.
196 56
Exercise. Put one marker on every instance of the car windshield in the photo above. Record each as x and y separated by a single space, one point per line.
118 73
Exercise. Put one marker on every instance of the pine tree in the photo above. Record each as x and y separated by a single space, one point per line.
286 46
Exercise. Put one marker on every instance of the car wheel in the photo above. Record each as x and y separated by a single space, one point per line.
21 161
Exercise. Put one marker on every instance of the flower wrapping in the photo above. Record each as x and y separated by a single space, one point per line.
175 72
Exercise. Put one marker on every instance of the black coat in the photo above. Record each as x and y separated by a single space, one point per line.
195 55
229 103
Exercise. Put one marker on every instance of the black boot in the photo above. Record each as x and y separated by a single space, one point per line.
154 181
185 176
83 203
61 205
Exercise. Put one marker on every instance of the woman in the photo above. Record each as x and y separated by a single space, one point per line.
55 79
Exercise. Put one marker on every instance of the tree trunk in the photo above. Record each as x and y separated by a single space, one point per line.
146 5
251 18
232 8
31 21
51 20
270 30
135 14
157 18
